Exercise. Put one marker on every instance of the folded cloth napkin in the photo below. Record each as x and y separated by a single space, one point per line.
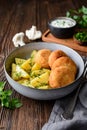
79 120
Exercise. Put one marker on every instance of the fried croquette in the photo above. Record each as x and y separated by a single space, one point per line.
60 77
54 55
65 61
42 57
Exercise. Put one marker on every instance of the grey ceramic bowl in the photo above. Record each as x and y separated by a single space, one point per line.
62 27
24 52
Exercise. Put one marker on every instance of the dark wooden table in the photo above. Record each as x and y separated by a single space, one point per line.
17 16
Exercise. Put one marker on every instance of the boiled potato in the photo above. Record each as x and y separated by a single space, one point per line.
40 80
36 73
44 87
46 70
25 82
36 66
19 61
34 52
18 72
26 65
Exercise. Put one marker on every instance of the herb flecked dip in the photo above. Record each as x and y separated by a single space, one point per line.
63 23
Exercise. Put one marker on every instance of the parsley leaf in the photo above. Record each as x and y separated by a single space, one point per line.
83 10
2 84
79 15
6 100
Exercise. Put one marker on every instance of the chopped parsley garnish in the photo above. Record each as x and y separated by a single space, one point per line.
81 36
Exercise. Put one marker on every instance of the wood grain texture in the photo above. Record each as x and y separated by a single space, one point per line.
70 42
17 16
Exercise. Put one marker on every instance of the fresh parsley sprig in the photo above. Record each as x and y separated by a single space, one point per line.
79 15
6 100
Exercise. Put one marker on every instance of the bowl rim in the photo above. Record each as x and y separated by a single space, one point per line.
62 17
45 44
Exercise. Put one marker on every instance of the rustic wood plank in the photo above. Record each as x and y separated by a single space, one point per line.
17 16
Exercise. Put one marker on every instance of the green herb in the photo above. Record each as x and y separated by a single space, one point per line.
81 36
41 85
79 15
6 100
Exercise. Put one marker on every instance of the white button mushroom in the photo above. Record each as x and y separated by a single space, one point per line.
33 34
18 39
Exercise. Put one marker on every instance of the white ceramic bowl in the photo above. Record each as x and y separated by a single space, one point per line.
24 52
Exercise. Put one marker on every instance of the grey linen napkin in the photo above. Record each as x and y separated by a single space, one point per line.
79 120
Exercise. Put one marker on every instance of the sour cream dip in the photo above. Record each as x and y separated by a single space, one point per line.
62 23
